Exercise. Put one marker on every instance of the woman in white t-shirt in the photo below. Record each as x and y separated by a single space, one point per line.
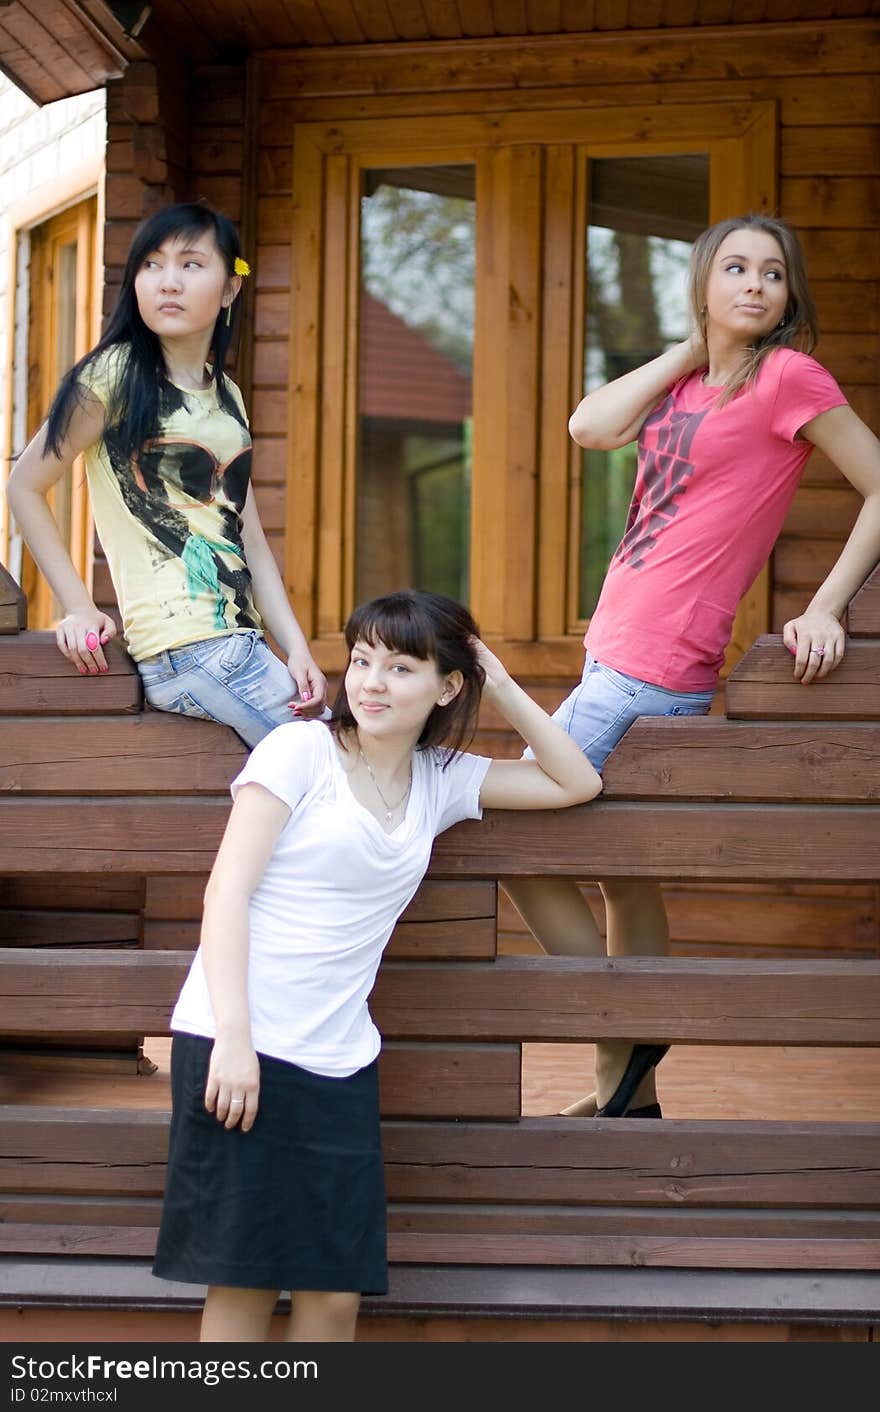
275 1177
725 422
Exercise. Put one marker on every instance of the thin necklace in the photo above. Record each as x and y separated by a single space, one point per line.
389 808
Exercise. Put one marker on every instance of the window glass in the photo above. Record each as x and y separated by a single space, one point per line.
644 214
415 360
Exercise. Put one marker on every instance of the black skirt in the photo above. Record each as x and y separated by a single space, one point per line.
296 1203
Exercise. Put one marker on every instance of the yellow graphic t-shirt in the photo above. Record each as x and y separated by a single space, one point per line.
169 518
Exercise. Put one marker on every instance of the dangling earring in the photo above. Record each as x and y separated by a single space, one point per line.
781 323
229 314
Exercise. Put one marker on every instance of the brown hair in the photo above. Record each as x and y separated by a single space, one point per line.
799 328
432 627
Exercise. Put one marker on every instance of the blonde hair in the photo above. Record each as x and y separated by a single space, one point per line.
799 327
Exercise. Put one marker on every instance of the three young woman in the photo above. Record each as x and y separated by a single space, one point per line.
725 423
168 459
275 1177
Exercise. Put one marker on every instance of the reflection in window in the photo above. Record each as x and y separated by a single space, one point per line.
645 213
415 358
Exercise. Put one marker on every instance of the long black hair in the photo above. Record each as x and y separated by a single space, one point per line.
142 390
431 627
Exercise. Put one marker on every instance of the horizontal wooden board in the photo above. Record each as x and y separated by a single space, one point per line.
513 999
478 1248
46 927
676 1165
728 842
713 758
450 1080
35 678
863 614
762 685
466 939
153 752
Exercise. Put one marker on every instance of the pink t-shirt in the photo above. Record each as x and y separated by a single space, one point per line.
713 488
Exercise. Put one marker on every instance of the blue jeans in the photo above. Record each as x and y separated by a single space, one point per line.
235 679
605 703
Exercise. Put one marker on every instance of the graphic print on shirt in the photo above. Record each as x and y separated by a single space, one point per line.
191 505
665 472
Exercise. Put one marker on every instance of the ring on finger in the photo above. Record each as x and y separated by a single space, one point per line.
236 1102
817 651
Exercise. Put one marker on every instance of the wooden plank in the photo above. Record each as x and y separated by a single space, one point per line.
818 1166
36 679
863 613
830 151
73 891
153 752
727 842
712 758
45 927
13 604
703 1001
473 939
762 685
42 1214
450 1081
723 54
758 1252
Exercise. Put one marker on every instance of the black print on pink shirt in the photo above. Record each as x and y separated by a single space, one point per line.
667 468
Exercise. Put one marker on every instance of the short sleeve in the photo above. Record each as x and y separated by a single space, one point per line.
805 390
459 785
287 761
102 375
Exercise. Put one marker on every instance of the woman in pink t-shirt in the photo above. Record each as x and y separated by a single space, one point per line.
725 422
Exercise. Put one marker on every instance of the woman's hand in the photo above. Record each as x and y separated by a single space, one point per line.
817 641
497 674
80 637
233 1088
311 683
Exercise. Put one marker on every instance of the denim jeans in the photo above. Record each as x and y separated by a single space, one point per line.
235 679
605 703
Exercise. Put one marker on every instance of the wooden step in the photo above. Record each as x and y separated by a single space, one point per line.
720 841
151 752
762 685
846 1299
514 999
671 1165
716 759
35 678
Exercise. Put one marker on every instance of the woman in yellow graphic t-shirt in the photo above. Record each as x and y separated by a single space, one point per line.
168 452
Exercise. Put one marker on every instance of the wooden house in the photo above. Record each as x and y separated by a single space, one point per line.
457 215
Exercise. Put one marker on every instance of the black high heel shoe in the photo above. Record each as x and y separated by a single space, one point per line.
643 1058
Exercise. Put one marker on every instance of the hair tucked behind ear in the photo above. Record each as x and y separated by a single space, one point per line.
143 392
431 627
799 328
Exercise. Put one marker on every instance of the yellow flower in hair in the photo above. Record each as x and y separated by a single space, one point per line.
241 266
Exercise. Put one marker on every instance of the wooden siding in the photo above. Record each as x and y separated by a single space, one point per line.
828 105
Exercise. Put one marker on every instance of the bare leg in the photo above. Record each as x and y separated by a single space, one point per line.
556 911
637 926
237 1315
321 1316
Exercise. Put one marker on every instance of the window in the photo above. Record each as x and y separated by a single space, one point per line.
644 214
415 360
457 284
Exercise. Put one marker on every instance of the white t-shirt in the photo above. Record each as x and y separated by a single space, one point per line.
327 903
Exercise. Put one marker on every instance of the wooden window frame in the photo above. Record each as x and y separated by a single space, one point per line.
73 203
531 214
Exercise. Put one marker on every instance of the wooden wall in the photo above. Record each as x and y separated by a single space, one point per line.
824 81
